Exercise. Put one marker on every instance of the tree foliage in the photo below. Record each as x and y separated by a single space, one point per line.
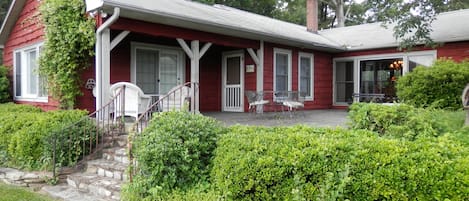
69 44
4 85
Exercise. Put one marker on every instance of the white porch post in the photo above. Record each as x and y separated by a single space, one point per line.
106 65
259 60
195 74
194 53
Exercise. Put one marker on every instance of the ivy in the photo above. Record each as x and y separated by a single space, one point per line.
69 44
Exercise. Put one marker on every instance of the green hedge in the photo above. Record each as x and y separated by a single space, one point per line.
27 135
4 85
301 163
439 86
174 152
404 121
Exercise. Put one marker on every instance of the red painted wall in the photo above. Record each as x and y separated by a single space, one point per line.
322 74
27 31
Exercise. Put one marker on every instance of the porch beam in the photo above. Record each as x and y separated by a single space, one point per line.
119 39
185 47
254 56
204 49
260 71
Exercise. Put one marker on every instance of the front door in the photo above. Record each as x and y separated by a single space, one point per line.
232 82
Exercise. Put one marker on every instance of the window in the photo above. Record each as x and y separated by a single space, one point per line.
282 70
420 60
156 69
306 75
28 85
344 81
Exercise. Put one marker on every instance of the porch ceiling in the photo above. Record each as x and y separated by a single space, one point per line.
221 20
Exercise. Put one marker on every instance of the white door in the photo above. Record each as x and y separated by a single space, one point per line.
232 82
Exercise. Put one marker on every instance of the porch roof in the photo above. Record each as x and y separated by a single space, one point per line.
221 20
447 27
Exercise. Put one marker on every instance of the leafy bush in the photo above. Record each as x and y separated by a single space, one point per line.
404 121
439 86
4 85
303 163
27 135
174 152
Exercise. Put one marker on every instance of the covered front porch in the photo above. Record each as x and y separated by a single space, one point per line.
158 57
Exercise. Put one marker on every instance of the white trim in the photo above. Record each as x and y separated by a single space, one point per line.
289 80
225 56
356 66
25 97
311 57
133 61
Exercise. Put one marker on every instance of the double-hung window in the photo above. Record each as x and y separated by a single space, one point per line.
306 75
282 70
28 85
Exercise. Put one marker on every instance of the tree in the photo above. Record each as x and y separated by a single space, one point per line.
413 18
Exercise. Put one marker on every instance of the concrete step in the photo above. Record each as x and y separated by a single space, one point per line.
107 168
116 154
96 185
115 141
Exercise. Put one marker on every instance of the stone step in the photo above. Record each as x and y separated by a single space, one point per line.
107 168
116 154
96 185
69 193
115 141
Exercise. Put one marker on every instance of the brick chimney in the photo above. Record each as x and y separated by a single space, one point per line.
312 15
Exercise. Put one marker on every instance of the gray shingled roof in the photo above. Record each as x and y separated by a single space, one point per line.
448 27
221 19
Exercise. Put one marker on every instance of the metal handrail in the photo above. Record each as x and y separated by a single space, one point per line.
104 124
156 107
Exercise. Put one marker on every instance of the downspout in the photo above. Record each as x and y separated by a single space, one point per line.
99 59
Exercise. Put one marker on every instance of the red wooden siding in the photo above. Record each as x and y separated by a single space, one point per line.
27 31
457 51
210 80
322 74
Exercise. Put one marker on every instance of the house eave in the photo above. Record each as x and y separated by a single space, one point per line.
200 25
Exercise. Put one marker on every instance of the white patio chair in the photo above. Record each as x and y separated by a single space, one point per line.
255 100
135 101
178 98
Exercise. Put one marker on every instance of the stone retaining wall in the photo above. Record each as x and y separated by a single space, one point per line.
25 179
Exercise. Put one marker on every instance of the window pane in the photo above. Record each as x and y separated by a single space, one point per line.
32 73
305 76
147 71
344 82
18 73
168 72
421 60
281 72
233 75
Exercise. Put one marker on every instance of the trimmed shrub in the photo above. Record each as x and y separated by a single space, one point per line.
4 85
439 86
303 163
174 152
403 121
27 135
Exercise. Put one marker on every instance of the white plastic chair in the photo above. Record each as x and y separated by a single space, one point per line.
135 101
178 98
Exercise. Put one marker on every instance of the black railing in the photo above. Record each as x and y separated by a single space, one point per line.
179 98
81 140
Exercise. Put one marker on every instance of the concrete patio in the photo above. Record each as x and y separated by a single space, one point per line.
319 118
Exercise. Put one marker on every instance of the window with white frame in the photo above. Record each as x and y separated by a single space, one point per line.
306 75
282 70
28 85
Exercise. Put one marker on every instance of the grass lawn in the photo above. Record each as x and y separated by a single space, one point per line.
13 193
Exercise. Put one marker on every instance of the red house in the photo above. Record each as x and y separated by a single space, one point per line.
160 44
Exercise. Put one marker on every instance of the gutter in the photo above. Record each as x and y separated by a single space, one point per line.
98 57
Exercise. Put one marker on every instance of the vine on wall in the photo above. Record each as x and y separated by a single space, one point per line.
69 44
